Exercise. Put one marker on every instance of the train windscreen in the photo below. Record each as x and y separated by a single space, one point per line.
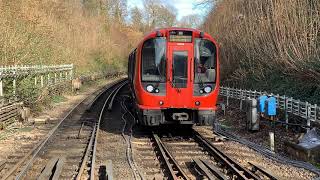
154 60
205 61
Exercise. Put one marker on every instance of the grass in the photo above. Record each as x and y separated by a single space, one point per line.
58 99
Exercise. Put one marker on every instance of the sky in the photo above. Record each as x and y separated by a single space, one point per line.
184 7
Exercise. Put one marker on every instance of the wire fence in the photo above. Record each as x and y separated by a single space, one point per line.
309 112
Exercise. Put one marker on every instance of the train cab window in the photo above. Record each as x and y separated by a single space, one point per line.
154 60
180 69
205 61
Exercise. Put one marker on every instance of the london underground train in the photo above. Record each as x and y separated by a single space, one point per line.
174 77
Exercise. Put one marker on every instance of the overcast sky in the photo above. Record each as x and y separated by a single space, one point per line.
184 7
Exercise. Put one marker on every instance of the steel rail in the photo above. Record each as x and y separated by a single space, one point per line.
94 136
35 151
240 171
112 96
115 93
263 171
136 171
176 174
86 156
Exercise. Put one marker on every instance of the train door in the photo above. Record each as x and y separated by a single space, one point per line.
179 88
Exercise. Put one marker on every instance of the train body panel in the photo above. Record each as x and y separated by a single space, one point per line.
174 75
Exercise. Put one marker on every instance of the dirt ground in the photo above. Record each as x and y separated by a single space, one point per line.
18 134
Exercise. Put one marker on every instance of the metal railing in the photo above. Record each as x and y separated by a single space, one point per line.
309 112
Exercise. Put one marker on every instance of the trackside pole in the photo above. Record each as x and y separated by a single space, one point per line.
271 135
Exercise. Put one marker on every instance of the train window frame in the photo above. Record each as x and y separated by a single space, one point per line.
215 59
163 59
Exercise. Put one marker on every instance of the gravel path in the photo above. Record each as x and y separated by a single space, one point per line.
243 155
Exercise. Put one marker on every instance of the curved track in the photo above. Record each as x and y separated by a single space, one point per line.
69 148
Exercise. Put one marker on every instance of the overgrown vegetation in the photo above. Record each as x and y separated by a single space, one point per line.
59 32
269 45
95 35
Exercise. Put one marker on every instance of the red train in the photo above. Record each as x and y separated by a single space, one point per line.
174 77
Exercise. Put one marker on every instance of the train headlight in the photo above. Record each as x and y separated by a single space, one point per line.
208 89
156 90
201 91
150 88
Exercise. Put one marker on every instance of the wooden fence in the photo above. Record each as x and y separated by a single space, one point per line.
41 76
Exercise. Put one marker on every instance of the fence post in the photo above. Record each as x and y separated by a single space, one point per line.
60 79
66 76
1 85
285 111
48 79
71 72
228 91
35 80
14 83
308 110
55 78
41 80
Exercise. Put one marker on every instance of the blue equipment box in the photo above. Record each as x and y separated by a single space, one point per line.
271 106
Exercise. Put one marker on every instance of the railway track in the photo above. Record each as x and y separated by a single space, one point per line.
192 156
68 150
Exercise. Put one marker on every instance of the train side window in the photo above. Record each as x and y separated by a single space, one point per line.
153 60
205 61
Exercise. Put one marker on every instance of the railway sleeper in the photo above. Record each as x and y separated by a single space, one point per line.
209 170
2 164
53 169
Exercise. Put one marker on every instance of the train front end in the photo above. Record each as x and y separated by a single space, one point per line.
176 78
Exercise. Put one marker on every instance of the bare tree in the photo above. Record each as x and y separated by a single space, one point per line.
159 14
117 9
192 20
137 19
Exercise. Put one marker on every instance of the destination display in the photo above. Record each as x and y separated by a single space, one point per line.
180 36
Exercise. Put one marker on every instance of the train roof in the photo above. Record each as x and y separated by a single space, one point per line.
166 30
